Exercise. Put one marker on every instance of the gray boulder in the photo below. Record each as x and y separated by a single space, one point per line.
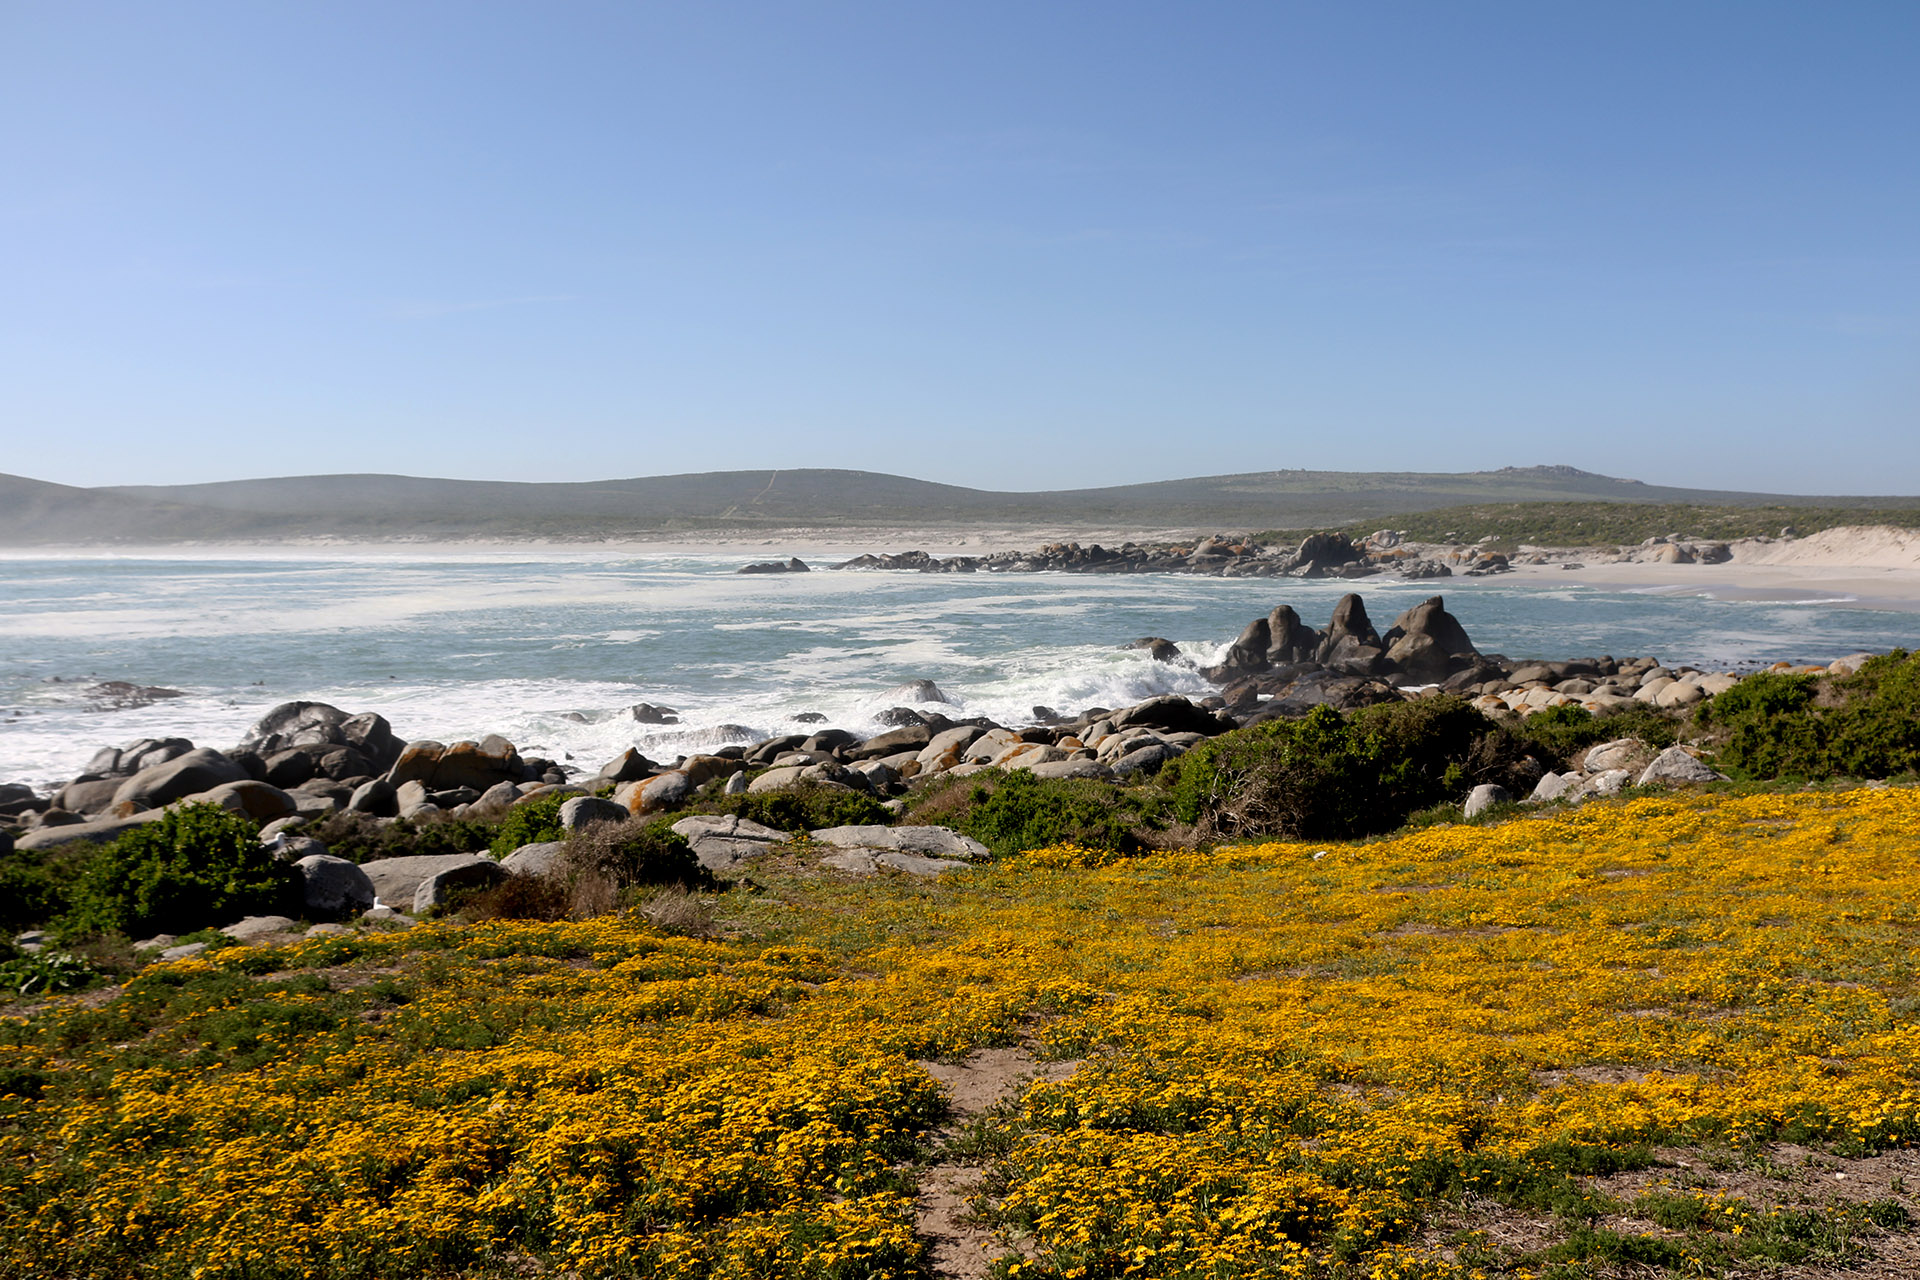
396 880
501 795
1483 798
911 737
331 888
316 724
185 775
88 795
93 832
253 928
775 779
583 810
1621 753
628 766
260 801
1071 769
864 862
915 691
1552 786
1171 712
723 842
375 798
1150 759
1608 782
536 859
437 889
1677 765
930 842
291 848
668 791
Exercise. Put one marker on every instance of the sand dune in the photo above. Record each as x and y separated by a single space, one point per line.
1850 546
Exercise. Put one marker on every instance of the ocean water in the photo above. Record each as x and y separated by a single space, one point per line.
551 647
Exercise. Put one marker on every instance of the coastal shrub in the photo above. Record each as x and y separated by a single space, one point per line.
35 884
805 806
633 854
535 822
1563 732
1013 811
1774 725
1328 776
363 839
198 865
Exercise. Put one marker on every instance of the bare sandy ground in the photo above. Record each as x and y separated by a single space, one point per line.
1863 567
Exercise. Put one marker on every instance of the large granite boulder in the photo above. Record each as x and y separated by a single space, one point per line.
1677 765
583 811
1170 712
317 725
185 775
1350 635
546 858
1428 643
97 832
250 799
397 880
1289 640
438 889
331 888
88 794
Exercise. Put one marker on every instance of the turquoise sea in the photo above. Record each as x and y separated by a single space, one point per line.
550 647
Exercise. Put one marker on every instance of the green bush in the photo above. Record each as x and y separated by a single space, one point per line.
635 853
198 865
1328 776
29 894
1014 811
362 838
1558 734
805 806
1808 728
535 822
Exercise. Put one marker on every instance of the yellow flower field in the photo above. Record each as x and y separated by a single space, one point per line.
1292 1060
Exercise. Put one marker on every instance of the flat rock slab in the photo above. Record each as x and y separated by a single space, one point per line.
95 832
723 841
926 842
865 862
258 927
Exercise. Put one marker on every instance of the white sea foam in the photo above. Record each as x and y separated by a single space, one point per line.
551 648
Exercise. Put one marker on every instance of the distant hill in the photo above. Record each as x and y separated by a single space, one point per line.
34 512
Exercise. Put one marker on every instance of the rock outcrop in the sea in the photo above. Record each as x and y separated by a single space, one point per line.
1319 555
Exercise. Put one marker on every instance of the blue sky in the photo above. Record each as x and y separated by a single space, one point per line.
1007 245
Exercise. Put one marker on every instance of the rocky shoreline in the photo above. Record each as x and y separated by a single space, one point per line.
305 766
305 761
